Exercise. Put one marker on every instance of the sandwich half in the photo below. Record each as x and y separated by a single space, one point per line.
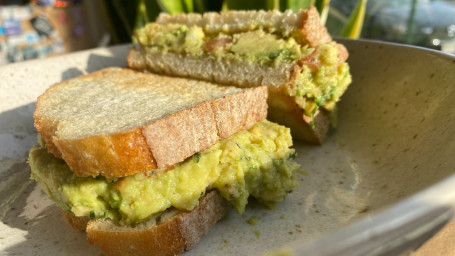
291 53
146 164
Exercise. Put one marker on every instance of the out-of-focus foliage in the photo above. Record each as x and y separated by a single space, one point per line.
354 26
427 23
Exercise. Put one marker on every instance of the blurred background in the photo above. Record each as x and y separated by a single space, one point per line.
40 28
427 23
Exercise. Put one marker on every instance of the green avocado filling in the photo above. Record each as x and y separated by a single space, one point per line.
320 83
255 162
250 46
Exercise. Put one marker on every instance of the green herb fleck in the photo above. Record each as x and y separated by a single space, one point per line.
257 233
303 172
251 166
312 120
180 30
115 201
292 156
274 54
323 99
197 156
92 214
253 221
287 54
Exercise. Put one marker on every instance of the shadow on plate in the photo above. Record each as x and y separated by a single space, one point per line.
96 62
41 222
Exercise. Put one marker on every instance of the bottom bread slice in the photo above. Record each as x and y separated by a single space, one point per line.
170 233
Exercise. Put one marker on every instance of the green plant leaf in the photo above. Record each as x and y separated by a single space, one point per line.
121 19
294 5
321 4
199 6
175 6
354 26
323 8
207 5
250 5
187 6
147 11
152 10
410 28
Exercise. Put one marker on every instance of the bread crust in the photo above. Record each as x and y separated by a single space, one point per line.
180 135
159 144
109 155
283 109
312 31
174 232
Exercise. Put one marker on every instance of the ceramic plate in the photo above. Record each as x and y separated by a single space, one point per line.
375 186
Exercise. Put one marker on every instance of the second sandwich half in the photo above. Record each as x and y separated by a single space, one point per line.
305 70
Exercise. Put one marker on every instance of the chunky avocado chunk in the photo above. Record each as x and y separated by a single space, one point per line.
256 162
172 37
258 46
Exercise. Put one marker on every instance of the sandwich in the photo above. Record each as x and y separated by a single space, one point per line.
291 53
146 164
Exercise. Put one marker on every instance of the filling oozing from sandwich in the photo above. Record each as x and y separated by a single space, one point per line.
322 80
256 162
320 83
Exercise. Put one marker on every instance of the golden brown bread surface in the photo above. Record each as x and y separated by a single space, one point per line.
169 234
117 122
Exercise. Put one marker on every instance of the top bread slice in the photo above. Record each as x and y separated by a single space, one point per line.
117 122
306 22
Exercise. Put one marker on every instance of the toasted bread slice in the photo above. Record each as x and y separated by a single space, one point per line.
305 22
117 122
170 233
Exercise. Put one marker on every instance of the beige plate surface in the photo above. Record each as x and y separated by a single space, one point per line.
395 138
